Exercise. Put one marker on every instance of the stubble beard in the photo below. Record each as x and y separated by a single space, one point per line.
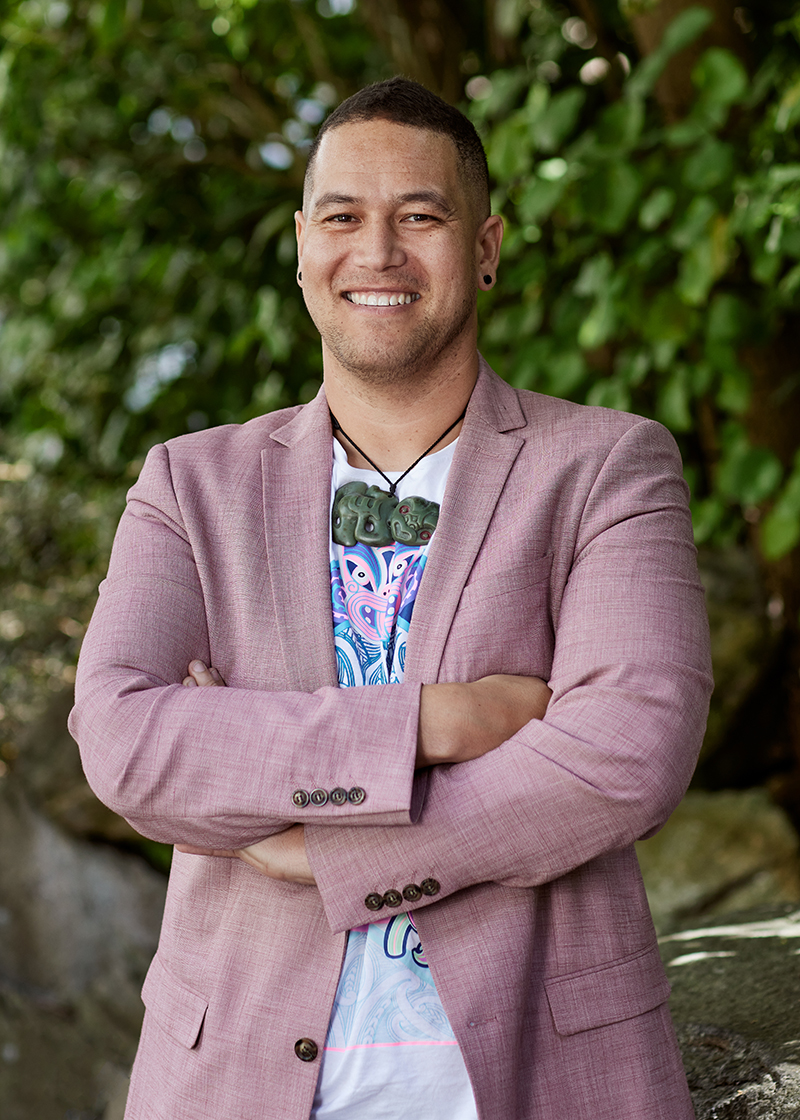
404 360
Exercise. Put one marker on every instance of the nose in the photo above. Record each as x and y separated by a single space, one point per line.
379 246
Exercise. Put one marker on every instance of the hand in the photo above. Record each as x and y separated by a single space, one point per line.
282 856
458 722
203 677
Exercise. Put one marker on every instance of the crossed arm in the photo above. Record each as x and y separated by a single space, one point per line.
457 723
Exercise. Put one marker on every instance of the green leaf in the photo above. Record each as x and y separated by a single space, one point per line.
728 318
746 474
720 77
707 515
780 529
620 124
683 30
656 207
599 325
559 119
610 392
673 400
566 371
510 150
538 199
734 390
697 272
693 223
667 319
609 195
594 275
709 166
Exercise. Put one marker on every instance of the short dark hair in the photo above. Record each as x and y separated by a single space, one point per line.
406 102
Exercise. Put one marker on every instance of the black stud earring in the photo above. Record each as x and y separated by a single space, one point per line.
299 278
487 279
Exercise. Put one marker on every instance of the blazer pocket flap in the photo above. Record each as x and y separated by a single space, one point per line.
179 1011
609 994
500 581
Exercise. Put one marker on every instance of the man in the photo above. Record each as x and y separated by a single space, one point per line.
418 898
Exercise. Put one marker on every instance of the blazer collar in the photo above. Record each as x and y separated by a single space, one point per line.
296 478
487 448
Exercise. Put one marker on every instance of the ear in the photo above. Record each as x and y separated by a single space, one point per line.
488 240
300 230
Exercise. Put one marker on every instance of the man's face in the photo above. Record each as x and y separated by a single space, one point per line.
391 250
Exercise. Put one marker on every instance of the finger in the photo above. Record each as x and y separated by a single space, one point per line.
201 674
189 682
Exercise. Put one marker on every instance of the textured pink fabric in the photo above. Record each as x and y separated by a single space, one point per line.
563 550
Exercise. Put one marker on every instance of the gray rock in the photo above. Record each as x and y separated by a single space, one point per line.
74 916
736 1005
79 924
720 853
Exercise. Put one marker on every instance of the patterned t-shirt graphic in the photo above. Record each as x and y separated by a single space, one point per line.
373 592
388 1030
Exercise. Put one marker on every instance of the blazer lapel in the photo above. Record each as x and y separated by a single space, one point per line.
487 448
296 473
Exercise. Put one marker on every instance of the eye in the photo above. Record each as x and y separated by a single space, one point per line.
417 219
340 219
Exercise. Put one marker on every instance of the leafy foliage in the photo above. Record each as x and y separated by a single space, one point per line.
641 258
151 156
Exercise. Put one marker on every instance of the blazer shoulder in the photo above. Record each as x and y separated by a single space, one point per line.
220 443
542 419
209 465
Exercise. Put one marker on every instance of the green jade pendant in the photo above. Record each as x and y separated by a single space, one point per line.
368 515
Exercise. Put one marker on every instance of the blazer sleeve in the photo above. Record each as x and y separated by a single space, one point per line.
612 757
217 767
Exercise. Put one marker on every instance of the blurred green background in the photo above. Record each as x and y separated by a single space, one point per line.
645 157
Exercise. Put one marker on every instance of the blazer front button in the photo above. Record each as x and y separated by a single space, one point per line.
412 893
356 795
300 798
373 901
306 1049
319 797
430 886
392 898
338 796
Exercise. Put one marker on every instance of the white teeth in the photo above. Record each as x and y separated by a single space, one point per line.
373 299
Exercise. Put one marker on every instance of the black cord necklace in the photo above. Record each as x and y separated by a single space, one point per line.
337 427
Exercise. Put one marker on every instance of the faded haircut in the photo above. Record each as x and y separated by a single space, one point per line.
405 102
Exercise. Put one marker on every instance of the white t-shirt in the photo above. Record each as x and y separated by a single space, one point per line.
390 1052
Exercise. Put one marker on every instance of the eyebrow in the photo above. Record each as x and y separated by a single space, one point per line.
431 197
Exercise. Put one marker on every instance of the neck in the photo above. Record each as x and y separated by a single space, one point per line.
393 426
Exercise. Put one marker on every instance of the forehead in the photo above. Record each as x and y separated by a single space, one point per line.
372 159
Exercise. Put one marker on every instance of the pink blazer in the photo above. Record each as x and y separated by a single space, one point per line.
564 549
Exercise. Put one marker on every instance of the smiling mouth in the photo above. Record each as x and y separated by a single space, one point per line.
381 299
